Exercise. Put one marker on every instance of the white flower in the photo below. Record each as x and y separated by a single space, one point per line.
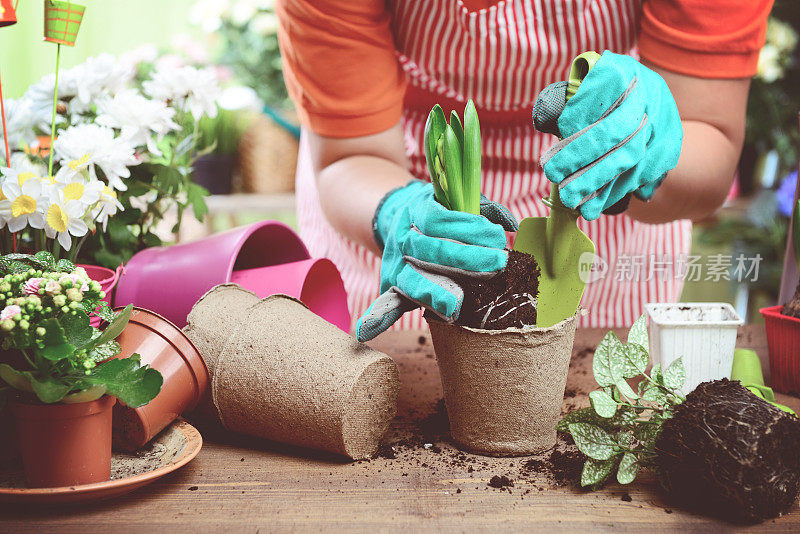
265 24
146 53
112 154
239 97
208 14
137 118
769 64
40 96
20 121
781 35
142 203
9 312
196 89
99 76
64 220
106 207
21 203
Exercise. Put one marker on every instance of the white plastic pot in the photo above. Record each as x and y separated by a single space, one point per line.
703 334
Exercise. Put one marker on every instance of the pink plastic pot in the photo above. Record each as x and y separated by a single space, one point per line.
107 280
316 282
169 280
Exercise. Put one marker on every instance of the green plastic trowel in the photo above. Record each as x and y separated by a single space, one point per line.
564 253
747 370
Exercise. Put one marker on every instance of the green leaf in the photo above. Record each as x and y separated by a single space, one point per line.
126 379
116 327
636 360
637 335
455 122
452 156
593 441
77 329
653 393
65 266
596 472
603 403
619 365
47 259
434 129
675 375
105 351
50 390
628 468
56 346
472 160
105 312
601 365
196 194
656 374
19 380
625 439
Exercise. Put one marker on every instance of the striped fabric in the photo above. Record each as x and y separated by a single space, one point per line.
502 57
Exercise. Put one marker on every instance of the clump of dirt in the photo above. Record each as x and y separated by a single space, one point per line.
792 308
500 482
507 300
562 466
729 453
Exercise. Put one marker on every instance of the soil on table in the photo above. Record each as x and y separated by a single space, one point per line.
728 453
507 300
792 308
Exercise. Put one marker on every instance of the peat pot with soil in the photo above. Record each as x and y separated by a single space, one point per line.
59 375
503 375
720 450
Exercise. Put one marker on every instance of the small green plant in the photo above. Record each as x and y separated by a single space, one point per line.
221 134
453 154
619 430
51 352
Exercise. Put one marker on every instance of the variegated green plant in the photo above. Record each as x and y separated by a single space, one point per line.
619 430
453 154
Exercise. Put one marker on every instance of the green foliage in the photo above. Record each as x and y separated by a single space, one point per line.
453 154
52 353
619 431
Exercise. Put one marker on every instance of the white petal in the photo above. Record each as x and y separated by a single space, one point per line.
65 240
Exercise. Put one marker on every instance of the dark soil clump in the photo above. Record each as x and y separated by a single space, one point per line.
562 466
729 453
501 481
506 301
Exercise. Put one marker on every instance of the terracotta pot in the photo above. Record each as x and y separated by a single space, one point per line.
503 388
165 348
8 438
65 444
169 280
783 341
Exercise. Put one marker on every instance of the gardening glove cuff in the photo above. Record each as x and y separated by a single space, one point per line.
622 134
387 208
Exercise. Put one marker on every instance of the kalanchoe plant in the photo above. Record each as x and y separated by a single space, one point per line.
619 431
51 353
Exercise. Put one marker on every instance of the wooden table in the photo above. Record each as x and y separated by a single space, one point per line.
244 485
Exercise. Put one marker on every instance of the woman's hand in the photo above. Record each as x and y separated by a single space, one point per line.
428 249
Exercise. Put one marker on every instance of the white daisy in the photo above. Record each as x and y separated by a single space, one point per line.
112 154
137 118
21 203
40 96
19 122
106 207
64 220
196 89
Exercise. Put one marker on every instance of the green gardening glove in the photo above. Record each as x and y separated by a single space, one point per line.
428 251
621 134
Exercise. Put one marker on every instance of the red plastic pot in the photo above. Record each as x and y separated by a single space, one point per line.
165 348
783 341
107 280
65 444
169 280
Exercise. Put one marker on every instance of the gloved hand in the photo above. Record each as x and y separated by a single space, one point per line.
428 249
621 134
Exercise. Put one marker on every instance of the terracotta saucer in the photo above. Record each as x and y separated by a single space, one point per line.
173 448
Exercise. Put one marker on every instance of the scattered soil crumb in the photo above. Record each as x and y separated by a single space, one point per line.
193 488
626 497
501 481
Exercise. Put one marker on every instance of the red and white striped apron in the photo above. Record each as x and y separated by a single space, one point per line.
502 57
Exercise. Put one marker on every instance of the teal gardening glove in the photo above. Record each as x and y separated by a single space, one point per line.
621 134
427 250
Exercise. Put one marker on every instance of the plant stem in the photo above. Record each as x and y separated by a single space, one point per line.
55 105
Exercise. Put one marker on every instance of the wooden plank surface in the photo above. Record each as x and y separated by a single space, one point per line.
245 485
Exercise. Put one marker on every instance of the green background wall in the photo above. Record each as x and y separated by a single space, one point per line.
108 26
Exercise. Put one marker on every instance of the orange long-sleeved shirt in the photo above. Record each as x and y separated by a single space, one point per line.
342 72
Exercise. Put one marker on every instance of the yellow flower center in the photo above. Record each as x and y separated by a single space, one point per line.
50 179
24 177
107 191
23 205
74 164
57 219
73 191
